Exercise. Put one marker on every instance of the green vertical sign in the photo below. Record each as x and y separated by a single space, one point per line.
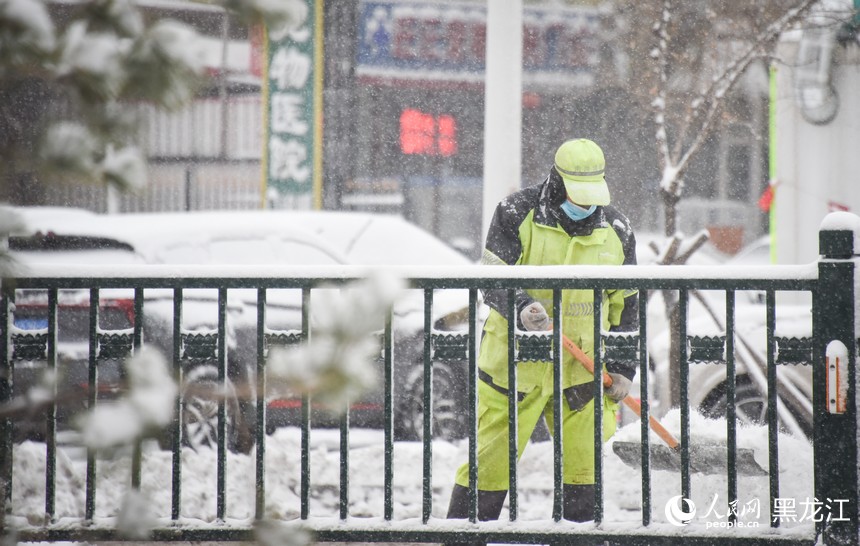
293 109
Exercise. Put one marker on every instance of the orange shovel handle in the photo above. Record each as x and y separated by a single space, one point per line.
629 401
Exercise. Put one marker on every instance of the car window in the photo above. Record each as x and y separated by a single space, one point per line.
77 256
53 248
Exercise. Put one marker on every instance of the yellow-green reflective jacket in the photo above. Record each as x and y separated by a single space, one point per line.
529 228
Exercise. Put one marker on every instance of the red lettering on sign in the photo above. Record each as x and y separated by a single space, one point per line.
435 40
417 132
406 38
425 134
456 41
578 50
447 135
533 46
432 40
479 40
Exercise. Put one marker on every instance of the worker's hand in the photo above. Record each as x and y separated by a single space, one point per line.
534 317
620 387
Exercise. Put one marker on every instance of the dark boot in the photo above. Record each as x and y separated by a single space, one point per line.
578 502
489 503
489 507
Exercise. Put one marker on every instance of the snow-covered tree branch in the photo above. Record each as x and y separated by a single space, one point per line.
687 60
63 85
337 364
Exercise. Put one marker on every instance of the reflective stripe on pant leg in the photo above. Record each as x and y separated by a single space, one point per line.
493 436
579 439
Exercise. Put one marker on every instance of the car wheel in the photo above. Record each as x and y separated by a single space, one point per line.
450 414
750 404
201 396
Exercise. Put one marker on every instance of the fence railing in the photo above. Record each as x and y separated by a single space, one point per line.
807 492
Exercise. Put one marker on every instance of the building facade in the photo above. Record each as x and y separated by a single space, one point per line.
403 117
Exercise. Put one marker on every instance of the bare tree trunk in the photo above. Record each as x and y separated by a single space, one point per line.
674 356
670 298
670 211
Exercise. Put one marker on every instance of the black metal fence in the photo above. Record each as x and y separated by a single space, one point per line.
830 511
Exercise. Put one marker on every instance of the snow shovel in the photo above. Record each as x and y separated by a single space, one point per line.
707 459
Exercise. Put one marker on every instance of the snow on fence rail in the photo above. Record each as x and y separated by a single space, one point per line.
344 483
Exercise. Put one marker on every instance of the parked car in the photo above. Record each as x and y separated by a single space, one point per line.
116 321
29 328
277 237
707 384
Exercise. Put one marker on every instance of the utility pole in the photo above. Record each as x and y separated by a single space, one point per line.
502 105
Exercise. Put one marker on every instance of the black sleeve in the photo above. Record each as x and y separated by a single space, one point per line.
630 315
504 247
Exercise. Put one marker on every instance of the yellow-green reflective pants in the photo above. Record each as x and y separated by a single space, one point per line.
577 432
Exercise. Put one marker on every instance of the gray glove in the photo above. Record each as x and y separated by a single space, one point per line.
534 317
620 387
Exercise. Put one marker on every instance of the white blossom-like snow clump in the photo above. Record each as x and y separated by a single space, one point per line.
121 15
26 32
337 365
136 518
10 222
280 16
164 63
125 167
277 533
94 60
70 148
148 405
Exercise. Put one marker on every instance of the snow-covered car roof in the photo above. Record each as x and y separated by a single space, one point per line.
266 237
344 237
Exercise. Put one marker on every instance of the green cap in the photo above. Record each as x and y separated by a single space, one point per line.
581 165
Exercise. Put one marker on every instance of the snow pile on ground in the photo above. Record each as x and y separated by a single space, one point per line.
366 458
710 492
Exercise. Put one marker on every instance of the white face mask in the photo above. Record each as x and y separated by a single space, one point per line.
575 212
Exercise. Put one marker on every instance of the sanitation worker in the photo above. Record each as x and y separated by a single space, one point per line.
565 220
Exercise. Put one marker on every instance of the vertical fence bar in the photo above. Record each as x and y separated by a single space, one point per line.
92 392
344 462
221 494
683 301
7 296
772 409
388 370
473 406
557 438
598 407
137 343
306 414
510 314
427 491
176 490
51 424
835 425
646 409
731 412
260 407
137 330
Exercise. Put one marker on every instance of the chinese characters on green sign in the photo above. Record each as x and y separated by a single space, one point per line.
293 107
